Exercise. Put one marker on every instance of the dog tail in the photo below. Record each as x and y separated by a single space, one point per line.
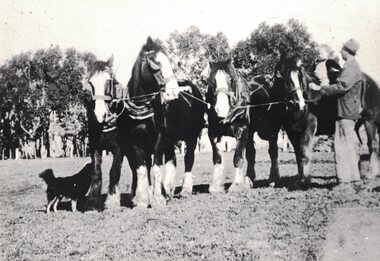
48 176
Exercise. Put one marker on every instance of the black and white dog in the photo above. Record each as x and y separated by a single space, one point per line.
73 187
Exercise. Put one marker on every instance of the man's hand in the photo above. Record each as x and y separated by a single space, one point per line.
314 87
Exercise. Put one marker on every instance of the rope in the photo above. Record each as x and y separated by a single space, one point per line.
141 96
195 98
259 105
239 107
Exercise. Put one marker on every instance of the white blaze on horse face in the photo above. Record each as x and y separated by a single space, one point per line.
99 81
222 105
297 85
171 87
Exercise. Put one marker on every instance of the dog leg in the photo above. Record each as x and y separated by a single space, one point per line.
74 205
58 199
49 205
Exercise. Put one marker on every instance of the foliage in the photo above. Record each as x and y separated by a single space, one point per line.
261 51
34 85
191 51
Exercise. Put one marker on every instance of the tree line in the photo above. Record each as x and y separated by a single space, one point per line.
41 93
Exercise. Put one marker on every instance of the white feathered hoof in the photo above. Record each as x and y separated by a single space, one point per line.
112 201
187 185
169 182
240 182
142 192
159 200
217 183
214 189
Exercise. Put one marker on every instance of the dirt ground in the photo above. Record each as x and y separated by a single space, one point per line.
263 223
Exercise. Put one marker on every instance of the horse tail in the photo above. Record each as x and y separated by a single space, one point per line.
358 124
48 176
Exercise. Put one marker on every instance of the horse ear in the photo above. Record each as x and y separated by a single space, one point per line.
149 41
110 61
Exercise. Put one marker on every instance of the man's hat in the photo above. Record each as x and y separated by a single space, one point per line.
352 45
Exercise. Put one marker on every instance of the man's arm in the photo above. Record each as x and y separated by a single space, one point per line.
346 80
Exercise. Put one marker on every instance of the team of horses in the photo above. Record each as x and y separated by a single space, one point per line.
157 111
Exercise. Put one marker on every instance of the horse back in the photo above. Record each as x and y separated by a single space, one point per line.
183 117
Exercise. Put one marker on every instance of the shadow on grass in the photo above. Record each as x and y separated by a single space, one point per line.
290 182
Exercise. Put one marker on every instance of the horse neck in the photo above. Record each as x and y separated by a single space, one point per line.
138 87
277 91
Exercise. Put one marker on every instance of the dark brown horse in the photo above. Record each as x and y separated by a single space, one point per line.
239 109
300 121
370 116
177 116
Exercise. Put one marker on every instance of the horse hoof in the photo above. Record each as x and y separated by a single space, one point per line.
112 202
169 191
216 189
238 187
185 193
140 204
248 182
160 201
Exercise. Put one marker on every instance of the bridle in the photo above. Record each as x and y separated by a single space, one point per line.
110 118
149 58
107 96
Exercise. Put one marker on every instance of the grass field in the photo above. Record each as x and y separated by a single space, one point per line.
263 223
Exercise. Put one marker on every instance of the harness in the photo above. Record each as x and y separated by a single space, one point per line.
135 112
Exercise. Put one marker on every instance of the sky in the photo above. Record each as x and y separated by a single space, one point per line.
120 27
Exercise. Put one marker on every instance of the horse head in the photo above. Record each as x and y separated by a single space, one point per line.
101 81
151 73
295 82
220 90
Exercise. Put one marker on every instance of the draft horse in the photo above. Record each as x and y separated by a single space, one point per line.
370 117
240 109
103 132
176 115
300 122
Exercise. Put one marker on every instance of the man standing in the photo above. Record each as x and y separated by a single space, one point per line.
347 90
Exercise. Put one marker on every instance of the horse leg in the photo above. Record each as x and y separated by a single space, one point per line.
274 175
142 190
157 171
133 168
373 147
170 170
113 197
307 142
217 182
187 185
239 180
250 155
94 200
302 147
